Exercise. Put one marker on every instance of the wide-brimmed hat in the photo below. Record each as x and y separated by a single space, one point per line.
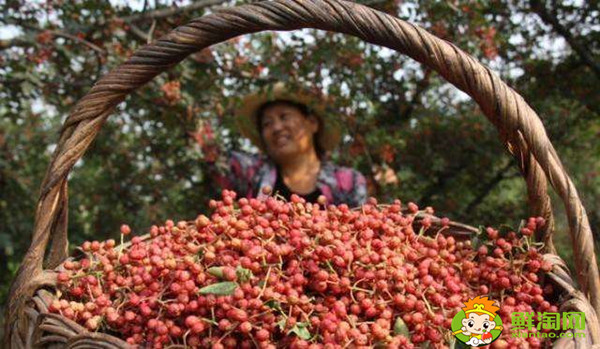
246 115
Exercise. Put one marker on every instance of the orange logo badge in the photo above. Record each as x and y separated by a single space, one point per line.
478 324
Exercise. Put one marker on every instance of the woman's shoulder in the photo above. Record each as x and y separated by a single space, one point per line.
246 159
244 166
329 166
345 178
343 184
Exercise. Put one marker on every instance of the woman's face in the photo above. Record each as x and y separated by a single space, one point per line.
286 131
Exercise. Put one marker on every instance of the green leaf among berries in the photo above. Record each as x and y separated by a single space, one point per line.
400 328
301 330
221 288
273 304
243 274
216 272
281 324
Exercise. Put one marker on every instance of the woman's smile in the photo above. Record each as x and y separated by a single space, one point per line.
281 140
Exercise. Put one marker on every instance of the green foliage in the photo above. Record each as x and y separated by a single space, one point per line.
400 327
414 137
224 288
301 330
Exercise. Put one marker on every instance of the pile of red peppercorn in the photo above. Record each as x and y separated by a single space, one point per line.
269 273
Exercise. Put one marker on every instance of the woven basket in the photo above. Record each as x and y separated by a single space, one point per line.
28 323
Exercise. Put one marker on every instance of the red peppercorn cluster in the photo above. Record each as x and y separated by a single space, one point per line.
269 273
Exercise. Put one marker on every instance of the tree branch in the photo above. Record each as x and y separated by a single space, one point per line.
79 40
422 86
25 41
138 32
487 188
442 179
22 41
151 32
14 42
502 173
401 109
171 11
586 56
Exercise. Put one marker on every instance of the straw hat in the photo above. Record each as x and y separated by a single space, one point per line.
329 133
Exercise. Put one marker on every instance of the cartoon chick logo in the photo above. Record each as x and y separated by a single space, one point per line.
478 324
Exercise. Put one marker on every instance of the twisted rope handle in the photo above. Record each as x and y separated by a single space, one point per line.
519 126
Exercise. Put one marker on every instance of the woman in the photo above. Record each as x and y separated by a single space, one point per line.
290 128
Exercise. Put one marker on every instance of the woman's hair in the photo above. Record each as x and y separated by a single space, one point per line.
304 110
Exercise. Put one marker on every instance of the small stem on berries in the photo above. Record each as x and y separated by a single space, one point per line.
259 314
427 304
185 338
265 285
440 231
120 248
370 292
389 294
226 334
90 292
348 344
253 340
328 263
212 322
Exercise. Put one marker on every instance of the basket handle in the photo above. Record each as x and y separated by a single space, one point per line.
519 126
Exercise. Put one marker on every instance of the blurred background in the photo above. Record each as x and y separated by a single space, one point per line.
414 136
